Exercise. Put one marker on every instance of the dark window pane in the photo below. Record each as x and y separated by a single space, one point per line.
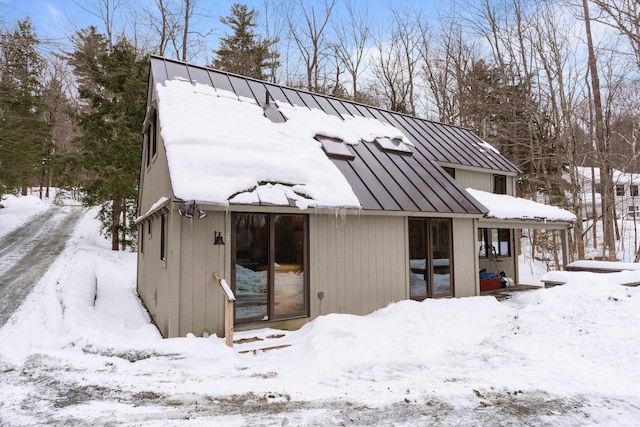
634 190
441 254
483 243
153 133
199 75
503 245
289 275
418 270
619 190
450 171
500 184
252 266
163 237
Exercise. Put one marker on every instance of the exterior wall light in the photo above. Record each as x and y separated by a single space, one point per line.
190 209
218 238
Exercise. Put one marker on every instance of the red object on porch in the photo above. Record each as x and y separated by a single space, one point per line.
489 284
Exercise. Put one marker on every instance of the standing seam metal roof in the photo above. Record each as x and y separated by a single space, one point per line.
381 180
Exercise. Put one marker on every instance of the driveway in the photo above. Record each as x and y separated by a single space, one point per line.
28 252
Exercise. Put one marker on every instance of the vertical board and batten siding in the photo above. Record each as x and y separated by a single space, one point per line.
483 180
465 257
475 179
153 276
201 300
360 263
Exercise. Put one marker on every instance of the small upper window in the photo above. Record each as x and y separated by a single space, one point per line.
393 144
619 190
499 184
153 133
634 190
450 171
335 147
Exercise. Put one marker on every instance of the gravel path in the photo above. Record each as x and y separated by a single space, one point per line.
27 252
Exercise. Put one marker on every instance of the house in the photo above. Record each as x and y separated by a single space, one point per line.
309 205
625 192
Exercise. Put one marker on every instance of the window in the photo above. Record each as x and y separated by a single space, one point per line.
500 184
634 190
494 242
395 144
430 264
163 237
634 211
141 238
450 171
150 139
154 138
619 190
335 147
270 261
147 145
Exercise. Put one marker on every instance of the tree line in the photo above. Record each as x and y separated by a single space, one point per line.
553 85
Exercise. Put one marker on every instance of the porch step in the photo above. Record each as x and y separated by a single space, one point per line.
255 344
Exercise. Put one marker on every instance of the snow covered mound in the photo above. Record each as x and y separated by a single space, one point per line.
561 356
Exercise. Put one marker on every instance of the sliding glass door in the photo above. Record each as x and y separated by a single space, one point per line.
270 259
430 258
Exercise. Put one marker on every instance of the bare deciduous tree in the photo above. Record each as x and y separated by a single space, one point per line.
308 25
352 35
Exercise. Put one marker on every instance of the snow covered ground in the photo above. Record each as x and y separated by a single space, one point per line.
81 351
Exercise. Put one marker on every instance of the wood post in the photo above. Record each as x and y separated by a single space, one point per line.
228 310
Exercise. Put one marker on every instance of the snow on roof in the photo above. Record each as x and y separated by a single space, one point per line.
503 206
221 148
619 177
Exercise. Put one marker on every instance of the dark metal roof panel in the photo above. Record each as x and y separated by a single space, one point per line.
220 81
381 180
200 75
177 70
158 70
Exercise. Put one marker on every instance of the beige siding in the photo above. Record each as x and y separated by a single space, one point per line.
465 262
201 301
358 262
479 180
153 276
482 180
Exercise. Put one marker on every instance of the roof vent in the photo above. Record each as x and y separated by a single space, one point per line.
393 144
335 147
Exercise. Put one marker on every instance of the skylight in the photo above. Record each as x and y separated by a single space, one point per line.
393 144
335 147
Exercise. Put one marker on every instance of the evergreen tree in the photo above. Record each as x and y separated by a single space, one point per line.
112 86
23 130
243 51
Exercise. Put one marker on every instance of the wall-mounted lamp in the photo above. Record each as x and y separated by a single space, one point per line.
190 209
218 238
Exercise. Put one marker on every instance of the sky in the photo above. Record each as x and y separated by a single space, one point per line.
55 20
81 351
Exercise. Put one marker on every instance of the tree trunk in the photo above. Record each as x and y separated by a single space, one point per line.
115 221
606 178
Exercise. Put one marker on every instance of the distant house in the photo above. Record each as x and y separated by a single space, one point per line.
625 189
309 205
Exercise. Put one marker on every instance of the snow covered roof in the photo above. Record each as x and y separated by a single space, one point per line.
619 177
503 206
234 140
